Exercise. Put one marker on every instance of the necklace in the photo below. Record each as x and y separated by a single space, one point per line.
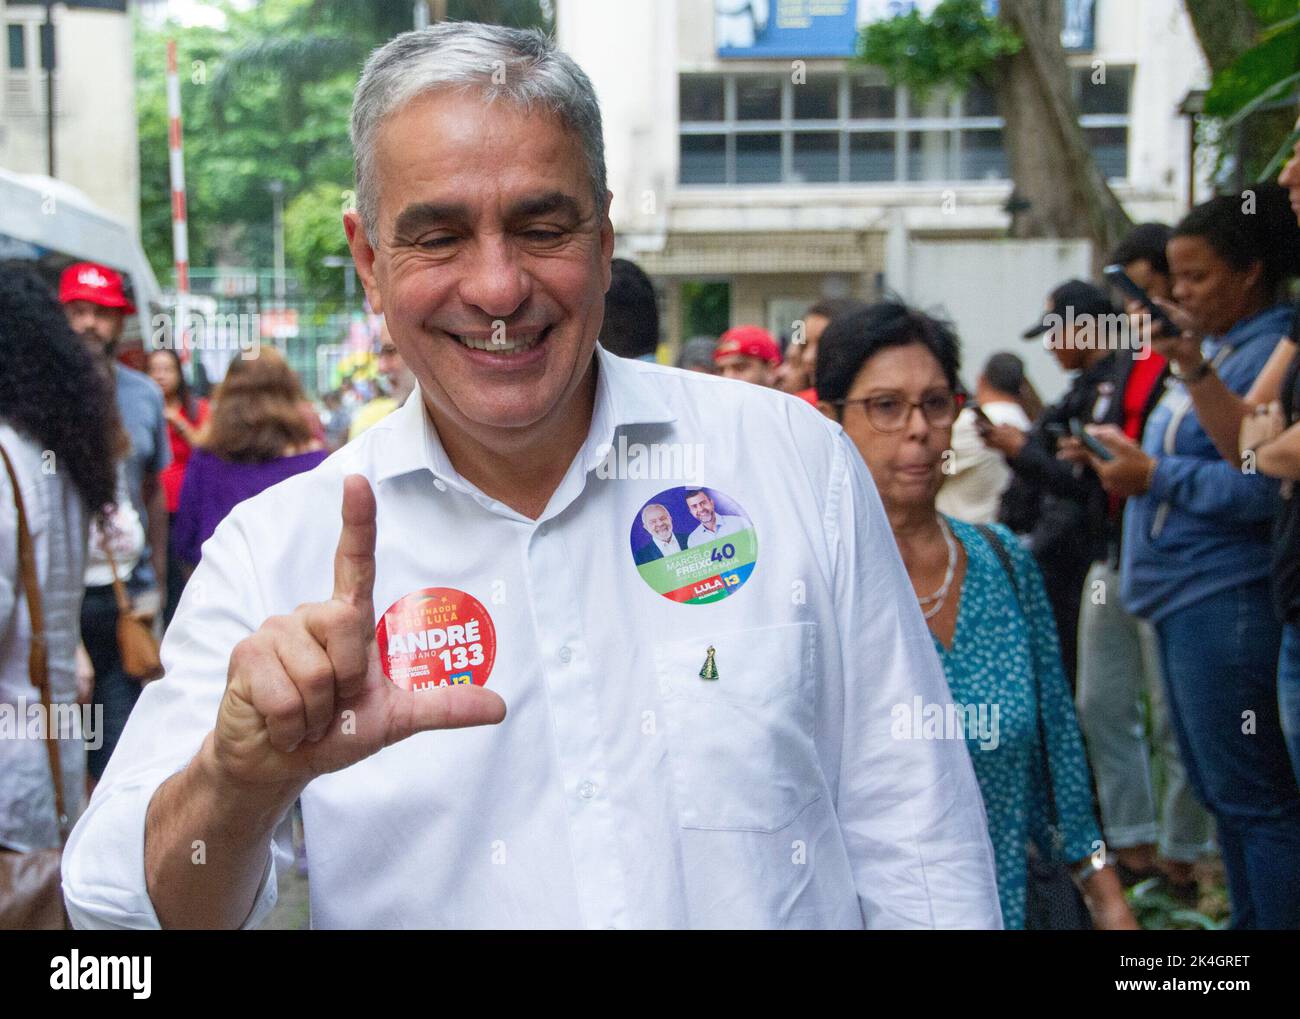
942 593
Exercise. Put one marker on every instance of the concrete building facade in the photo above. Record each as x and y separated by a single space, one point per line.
788 179
96 143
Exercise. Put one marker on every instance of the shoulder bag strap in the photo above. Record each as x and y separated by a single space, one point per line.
38 666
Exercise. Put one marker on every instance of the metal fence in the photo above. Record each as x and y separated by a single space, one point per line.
233 311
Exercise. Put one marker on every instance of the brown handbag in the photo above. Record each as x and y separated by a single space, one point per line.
135 641
31 893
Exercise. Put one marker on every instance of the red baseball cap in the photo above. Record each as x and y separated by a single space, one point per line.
98 284
751 341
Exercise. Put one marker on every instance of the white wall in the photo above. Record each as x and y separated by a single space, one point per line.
993 291
629 51
96 142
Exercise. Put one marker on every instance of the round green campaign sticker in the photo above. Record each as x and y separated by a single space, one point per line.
694 545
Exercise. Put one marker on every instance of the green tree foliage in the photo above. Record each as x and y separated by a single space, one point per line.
1260 79
312 231
706 308
1058 189
954 46
267 98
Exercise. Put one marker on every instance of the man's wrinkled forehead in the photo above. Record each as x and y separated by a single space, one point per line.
428 150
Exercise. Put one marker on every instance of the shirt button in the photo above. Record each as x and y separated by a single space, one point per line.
587 790
566 656
439 484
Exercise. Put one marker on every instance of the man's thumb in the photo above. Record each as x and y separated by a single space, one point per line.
354 561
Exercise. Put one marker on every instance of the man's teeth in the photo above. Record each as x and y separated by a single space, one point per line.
500 344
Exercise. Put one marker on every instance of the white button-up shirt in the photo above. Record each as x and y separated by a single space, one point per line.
622 789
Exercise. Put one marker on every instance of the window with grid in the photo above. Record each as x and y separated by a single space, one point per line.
852 127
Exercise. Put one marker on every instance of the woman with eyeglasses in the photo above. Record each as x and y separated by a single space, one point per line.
888 375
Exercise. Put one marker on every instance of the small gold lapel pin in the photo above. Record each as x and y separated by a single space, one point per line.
710 668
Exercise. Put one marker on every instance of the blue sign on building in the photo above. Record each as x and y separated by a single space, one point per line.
829 28
785 28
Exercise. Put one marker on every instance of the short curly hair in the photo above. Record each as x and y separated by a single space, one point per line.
53 391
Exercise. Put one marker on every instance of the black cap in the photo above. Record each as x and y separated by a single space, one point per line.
1084 298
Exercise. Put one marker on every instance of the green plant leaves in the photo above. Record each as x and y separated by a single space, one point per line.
957 43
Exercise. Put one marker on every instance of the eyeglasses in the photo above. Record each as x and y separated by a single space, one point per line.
889 411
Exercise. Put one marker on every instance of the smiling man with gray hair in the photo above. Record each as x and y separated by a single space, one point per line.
699 740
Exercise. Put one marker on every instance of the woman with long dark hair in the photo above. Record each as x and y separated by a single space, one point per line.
186 415
59 428
1198 548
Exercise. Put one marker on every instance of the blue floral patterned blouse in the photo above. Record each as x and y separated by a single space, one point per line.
996 649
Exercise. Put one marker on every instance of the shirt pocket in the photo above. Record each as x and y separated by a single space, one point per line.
741 746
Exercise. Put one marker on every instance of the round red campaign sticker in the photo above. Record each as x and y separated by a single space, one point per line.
436 637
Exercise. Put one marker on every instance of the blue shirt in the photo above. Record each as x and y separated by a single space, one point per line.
1204 525
140 403
999 647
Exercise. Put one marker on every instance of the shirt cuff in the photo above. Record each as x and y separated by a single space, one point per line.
104 885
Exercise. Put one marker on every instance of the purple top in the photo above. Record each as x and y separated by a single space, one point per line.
213 487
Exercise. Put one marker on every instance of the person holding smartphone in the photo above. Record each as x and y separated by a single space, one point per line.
1261 431
976 475
1119 656
1058 507
1198 550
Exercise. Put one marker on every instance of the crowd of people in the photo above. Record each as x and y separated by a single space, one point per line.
1109 581
1155 590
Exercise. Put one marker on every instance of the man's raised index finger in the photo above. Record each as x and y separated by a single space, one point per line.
354 561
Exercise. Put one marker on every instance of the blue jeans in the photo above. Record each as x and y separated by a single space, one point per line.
1220 658
1119 658
1288 692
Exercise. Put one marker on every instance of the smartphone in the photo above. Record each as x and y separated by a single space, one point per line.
1093 445
1116 275
982 422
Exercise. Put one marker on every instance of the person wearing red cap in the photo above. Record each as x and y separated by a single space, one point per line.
96 304
748 353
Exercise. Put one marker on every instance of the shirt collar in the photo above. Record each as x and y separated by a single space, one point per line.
623 397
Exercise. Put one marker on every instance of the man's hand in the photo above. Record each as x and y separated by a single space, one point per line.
1129 473
1006 439
282 720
